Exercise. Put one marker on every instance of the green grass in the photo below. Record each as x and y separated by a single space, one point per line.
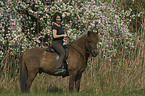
132 93
47 94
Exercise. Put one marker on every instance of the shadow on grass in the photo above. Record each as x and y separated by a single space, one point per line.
54 89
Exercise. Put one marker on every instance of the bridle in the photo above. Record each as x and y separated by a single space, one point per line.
88 47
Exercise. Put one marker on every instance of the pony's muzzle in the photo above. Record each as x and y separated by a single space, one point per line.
94 53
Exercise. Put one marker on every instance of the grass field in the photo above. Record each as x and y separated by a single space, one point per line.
132 93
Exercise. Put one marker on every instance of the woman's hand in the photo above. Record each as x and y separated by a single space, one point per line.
66 35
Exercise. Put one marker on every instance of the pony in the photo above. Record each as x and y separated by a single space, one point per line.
38 60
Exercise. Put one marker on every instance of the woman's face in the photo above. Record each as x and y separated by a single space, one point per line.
58 19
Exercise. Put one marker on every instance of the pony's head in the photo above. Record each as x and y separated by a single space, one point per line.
91 43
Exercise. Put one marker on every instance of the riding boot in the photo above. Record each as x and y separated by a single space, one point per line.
59 69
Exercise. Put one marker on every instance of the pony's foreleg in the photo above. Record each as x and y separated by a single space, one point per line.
72 82
77 82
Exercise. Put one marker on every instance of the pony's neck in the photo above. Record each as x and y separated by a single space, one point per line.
81 47
81 42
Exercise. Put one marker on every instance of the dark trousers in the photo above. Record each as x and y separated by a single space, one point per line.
58 47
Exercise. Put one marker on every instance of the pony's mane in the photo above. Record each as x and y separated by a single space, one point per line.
74 41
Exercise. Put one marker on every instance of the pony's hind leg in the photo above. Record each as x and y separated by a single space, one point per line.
31 76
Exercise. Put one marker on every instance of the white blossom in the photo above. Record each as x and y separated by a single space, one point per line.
107 18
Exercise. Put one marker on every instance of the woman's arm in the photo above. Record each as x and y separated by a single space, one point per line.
57 36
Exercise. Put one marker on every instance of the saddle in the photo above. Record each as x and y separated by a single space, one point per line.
51 49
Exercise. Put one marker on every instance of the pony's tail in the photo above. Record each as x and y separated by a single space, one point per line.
23 74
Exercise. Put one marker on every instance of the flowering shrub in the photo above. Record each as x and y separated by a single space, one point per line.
79 17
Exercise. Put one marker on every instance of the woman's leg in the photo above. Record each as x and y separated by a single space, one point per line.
58 47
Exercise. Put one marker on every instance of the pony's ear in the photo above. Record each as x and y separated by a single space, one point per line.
89 32
97 31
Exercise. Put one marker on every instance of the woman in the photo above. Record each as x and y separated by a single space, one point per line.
57 42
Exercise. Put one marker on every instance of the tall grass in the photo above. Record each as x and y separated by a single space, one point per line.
125 73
